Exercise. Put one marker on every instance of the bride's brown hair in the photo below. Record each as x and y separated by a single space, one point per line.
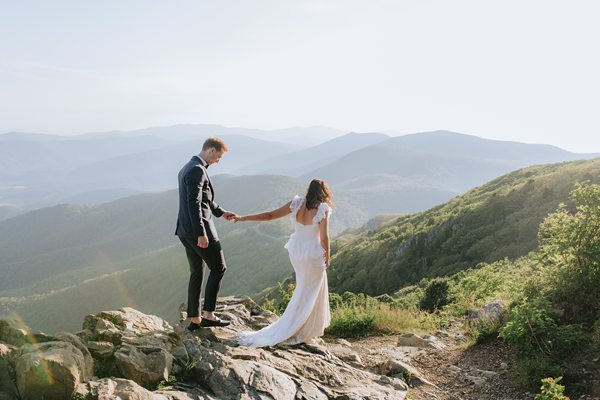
318 192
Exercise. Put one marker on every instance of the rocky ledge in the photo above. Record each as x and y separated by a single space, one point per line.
130 355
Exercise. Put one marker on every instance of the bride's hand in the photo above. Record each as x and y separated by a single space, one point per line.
326 259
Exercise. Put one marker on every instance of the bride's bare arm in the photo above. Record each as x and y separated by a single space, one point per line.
324 234
268 215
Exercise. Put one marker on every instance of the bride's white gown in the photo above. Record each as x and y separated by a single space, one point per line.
307 314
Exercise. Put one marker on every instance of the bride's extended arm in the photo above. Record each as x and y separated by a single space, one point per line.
324 234
268 215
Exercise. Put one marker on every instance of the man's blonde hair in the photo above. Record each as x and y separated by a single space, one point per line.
215 142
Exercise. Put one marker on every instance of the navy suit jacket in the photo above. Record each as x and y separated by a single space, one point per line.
196 202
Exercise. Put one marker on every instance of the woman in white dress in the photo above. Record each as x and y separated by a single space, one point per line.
307 314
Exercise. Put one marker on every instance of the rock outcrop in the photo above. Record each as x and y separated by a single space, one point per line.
130 355
493 312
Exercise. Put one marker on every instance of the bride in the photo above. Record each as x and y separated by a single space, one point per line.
307 314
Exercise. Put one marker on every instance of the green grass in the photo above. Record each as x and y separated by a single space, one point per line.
378 319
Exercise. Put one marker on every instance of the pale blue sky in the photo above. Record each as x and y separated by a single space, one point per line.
513 70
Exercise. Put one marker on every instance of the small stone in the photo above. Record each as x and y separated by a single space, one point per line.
488 374
351 357
476 380
412 340
454 368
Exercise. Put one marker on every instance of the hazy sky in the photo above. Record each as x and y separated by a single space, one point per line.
514 70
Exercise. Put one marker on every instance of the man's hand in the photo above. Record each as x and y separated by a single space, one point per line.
203 242
229 216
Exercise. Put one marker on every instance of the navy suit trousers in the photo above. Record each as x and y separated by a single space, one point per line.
214 259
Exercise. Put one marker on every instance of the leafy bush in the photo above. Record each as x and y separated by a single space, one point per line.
542 344
436 295
551 390
569 249
335 301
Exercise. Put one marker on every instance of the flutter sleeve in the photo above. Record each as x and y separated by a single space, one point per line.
324 211
296 203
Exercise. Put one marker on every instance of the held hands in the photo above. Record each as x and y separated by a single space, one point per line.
229 216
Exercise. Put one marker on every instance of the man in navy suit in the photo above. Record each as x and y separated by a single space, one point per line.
196 230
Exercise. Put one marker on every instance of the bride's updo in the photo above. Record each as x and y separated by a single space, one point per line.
318 192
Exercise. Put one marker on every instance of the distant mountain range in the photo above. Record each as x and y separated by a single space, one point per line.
442 159
41 170
302 136
299 162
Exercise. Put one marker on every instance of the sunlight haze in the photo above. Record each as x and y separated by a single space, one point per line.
510 70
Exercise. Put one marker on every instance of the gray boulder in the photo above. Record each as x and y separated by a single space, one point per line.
50 370
491 312
113 326
68 337
145 365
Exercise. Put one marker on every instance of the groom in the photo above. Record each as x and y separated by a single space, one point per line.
196 230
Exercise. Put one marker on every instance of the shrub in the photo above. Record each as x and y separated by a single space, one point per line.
569 248
435 296
335 301
551 390
542 344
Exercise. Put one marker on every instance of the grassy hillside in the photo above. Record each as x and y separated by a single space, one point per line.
499 219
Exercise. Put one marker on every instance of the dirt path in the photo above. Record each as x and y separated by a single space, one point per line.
456 372
480 372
